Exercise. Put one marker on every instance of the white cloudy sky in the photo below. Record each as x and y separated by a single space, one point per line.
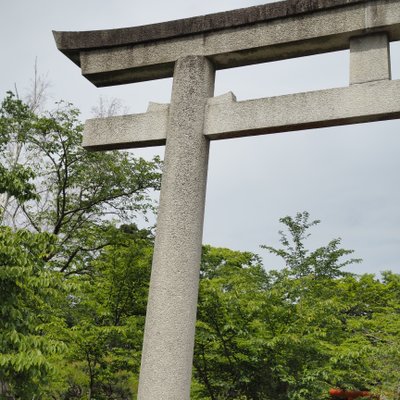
346 176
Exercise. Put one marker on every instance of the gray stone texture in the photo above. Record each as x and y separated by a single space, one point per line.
166 369
71 43
261 40
369 58
367 102
227 118
127 131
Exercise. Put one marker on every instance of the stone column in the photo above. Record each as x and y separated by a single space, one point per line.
167 357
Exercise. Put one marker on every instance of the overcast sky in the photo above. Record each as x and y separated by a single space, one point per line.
348 177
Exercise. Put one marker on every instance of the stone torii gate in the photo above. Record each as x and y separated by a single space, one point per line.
191 50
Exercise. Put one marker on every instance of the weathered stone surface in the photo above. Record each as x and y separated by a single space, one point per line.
72 42
127 131
369 58
281 30
167 356
373 101
226 118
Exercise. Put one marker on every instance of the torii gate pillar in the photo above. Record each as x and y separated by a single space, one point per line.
189 50
167 356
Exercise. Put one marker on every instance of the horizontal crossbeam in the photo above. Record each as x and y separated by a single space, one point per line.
227 118
367 102
127 131
258 34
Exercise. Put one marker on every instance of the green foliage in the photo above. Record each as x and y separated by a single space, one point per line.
105 318
16 121
73 280
79 191
322 262
27 293
227 337
294 333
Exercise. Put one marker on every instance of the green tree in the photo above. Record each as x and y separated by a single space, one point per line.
227 362
16 119
74 193
324 262
370 353
58 201
27 289
28 293
105 319
292 334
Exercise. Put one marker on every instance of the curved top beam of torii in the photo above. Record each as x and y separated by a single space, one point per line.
251 35
71 43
